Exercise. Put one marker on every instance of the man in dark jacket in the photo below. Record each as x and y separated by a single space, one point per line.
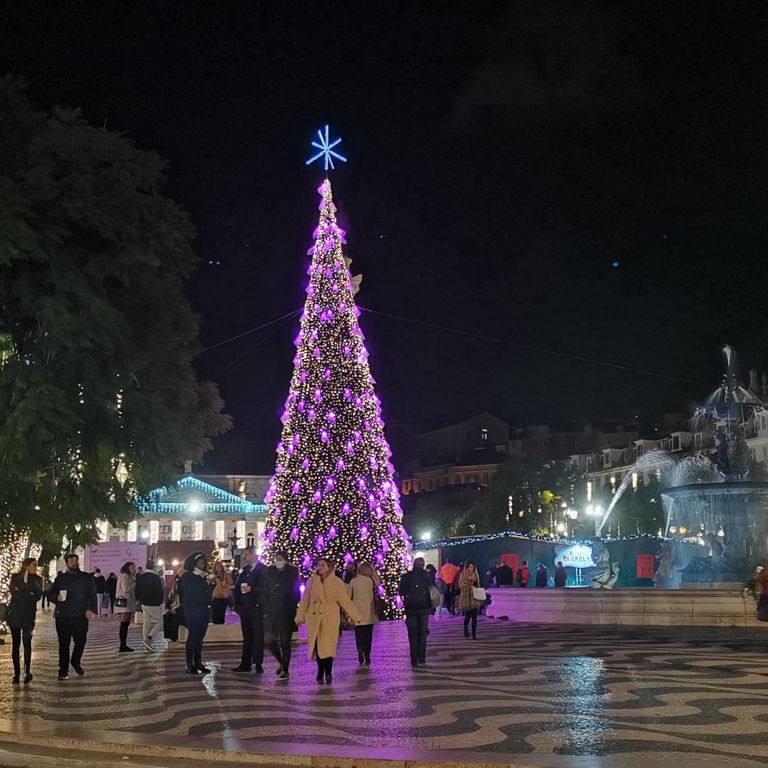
561 574
111 582
249 606
74 594
150 594
101 591
414 588
505 576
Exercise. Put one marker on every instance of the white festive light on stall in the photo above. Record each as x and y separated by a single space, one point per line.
220 530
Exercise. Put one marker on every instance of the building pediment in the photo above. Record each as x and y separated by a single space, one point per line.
193 497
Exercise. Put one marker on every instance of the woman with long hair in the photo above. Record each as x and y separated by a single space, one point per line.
26 587
468 580
221 592
363 590
125 602
195 597
320 608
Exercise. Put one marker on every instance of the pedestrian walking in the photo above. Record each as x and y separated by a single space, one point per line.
363 591
101 591
47 583
414 589
221 592
469 605
448 574
125 602
150 593
280 597
111 591
561 574
320 608
25 589
249 606
195 600
542 576
74 594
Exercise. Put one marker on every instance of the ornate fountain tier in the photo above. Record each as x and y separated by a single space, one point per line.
724 510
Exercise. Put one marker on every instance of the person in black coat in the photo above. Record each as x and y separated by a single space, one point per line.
111 582
280 595
414 588
561 574
542 577
195 595
248 604
26 588
74 594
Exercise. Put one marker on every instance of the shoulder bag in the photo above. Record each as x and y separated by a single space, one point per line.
479 594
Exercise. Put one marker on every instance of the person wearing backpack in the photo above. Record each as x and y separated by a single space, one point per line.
414 588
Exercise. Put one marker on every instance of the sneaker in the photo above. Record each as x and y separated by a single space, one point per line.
63 676
283 674
79 671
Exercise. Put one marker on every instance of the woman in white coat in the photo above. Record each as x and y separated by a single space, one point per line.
320 609
125 601
362 590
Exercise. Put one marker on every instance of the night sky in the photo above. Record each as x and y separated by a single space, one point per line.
503 158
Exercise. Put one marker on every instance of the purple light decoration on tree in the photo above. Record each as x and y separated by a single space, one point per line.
348 557
350 512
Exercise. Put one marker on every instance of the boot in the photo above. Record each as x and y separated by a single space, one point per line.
27 676
124 637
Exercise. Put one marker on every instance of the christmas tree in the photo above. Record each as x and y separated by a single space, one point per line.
332 494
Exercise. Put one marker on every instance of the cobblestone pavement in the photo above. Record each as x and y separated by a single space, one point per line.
518 689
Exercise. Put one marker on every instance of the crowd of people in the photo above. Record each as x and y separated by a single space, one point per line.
268 599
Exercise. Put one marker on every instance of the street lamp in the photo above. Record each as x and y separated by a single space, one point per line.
426 536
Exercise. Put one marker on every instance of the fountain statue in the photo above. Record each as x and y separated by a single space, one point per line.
712 499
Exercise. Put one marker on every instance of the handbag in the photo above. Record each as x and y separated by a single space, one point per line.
379 603
121 602
435 597
479 594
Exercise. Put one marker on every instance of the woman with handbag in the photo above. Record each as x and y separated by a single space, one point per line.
469 581
26 588
320 609
125 602
221 592
363 591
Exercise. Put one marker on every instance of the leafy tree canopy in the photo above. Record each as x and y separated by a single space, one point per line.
96 336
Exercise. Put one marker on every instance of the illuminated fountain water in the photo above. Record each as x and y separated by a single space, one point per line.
712 500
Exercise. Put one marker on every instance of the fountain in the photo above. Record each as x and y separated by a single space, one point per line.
713 501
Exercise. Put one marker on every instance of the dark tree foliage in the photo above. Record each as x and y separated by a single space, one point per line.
96 336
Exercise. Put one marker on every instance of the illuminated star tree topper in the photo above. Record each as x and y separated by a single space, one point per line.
326 150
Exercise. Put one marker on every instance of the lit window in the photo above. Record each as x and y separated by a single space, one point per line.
484 433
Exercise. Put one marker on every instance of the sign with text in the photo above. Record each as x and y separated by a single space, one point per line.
574 555
110 556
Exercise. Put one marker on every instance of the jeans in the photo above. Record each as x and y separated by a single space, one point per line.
473 616
281 650
16 635
364 640
448 598
417 622
71 630
252 627
219 609
197 625
153 619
